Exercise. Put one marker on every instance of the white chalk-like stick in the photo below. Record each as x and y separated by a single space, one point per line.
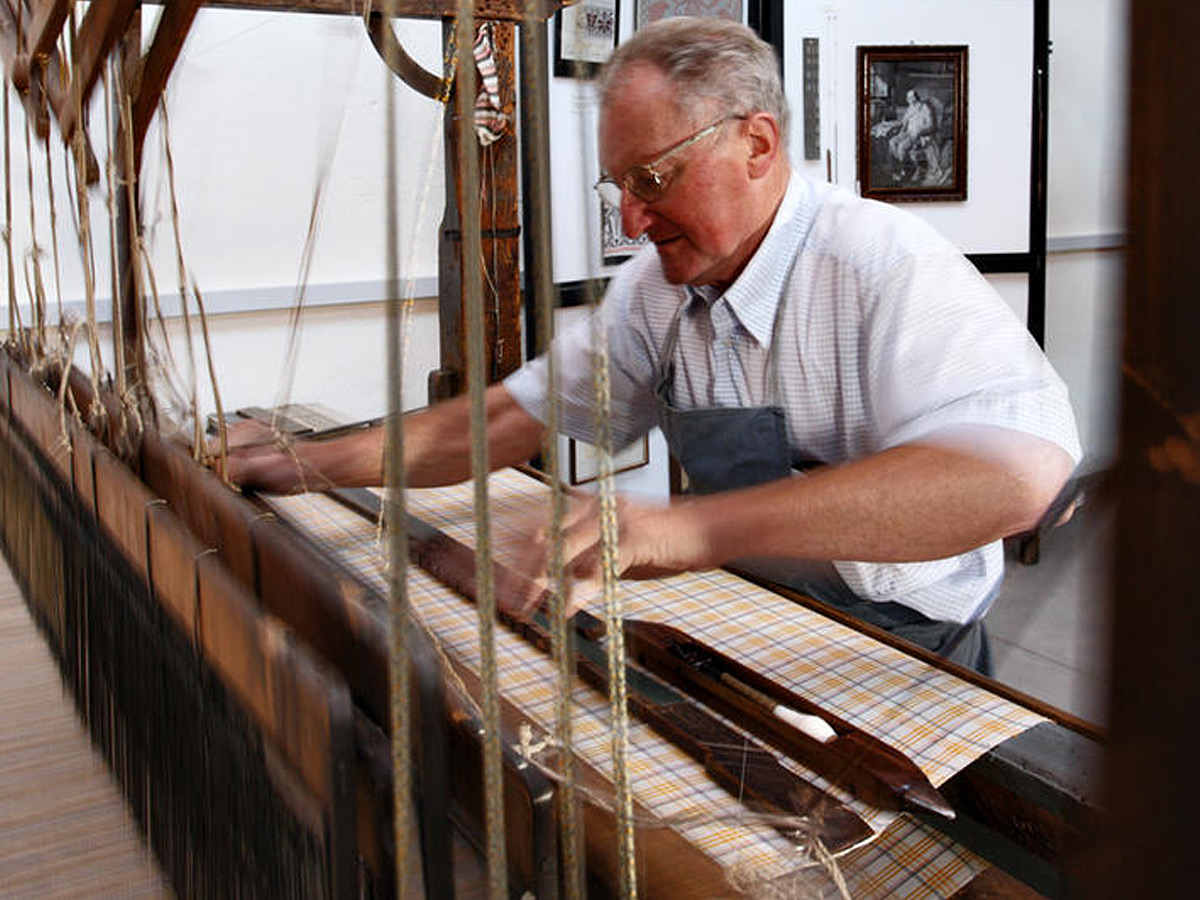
814 726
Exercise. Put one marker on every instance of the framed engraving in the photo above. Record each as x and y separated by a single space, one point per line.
584 36
912 123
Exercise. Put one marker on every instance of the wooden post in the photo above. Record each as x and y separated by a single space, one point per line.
128 302
1152 786
501 242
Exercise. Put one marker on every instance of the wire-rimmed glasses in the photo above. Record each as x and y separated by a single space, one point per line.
646 181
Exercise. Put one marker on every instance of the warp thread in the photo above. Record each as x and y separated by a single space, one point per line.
190 761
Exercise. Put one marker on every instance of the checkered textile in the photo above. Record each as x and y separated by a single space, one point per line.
940 722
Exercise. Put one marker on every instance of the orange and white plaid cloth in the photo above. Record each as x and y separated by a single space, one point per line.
939 721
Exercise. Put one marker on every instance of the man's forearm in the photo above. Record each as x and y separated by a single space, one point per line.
438 440
916 502
437 449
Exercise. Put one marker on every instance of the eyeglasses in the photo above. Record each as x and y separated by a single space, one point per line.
646 181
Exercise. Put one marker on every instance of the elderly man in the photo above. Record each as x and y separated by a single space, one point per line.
860 416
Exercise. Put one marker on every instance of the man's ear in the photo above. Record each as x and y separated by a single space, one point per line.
763 138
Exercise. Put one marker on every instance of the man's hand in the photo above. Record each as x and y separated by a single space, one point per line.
258 457
652 541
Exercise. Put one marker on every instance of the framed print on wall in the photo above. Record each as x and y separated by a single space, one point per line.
615 246
585 459
652 10
912 123
584 36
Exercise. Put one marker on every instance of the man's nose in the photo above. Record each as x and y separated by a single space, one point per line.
635 215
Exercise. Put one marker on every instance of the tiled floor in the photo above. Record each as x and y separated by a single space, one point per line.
1049 626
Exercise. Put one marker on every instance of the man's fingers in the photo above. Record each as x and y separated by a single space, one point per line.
579 512
518 593
584 592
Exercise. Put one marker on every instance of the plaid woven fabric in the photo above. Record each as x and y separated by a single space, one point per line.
940 722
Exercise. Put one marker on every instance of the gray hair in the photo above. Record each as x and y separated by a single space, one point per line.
710 61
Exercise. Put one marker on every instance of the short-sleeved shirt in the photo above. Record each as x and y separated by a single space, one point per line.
887 334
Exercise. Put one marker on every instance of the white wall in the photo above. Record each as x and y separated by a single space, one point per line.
994 217
261 102
268 112
340 358
1086 214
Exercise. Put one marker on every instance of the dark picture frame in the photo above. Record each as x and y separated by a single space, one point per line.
584 36
912 122
584 459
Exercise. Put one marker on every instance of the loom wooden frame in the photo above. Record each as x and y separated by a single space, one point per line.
83 474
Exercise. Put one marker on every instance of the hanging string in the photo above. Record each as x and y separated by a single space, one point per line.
33 258
326 156
66 341
54 230
110 169
401 300
166 369
97 413
614 611
610 575
16 327
8 240
199 444
141 271
181 271
539 264
472 251
138 397
399 658
22 336
423 211
66 398
222 433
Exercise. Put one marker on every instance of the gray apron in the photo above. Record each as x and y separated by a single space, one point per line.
723 448
726 448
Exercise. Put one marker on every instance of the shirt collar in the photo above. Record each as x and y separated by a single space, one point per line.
754 297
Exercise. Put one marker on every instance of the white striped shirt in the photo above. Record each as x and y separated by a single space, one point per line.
887 334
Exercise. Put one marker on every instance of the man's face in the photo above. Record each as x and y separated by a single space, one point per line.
699 225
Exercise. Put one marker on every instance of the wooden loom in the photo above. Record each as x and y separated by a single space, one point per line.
251 767
264 637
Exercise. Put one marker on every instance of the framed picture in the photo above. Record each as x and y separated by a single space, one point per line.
912 123
584 36
585 459
652 10
615 247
